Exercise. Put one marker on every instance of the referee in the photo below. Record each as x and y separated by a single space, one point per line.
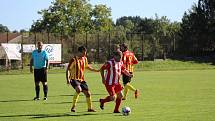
40 62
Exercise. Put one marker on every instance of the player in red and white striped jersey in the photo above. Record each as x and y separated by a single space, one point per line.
114 67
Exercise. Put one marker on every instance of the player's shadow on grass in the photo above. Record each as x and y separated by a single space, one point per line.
56 115
4 101
60 115
73 95
71 102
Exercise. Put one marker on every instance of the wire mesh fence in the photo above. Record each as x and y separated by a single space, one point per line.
100 45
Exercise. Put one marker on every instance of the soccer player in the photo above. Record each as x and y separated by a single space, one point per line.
114 48
129 60
114 67
40 62
75 77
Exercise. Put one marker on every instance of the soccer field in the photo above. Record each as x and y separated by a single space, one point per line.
164 96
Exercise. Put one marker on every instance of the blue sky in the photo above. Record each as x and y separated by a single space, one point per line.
20 14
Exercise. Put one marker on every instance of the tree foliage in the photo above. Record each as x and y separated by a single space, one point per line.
198 28
69 16
3 28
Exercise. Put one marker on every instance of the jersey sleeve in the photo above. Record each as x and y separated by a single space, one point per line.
71 63
86 62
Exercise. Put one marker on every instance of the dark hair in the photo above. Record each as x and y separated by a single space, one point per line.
124 45
82 48
117 53
40 42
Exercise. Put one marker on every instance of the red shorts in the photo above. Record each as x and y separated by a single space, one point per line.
113 89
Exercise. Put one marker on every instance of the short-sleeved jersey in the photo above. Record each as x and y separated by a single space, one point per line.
113 71
39 59
77 67
129 60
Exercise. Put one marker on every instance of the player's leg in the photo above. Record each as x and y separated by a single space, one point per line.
126 79
76 85
44 82
109 98
118 90
37 90
37 84
87 93
45 90
128 86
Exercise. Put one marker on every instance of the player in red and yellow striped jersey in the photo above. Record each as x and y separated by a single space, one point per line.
129 60
75 77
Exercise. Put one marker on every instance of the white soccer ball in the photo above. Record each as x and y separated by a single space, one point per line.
126 111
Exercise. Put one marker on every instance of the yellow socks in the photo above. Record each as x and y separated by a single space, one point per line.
75 99
130 87
89 102
127 87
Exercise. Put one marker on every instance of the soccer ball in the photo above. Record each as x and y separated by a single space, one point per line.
126 111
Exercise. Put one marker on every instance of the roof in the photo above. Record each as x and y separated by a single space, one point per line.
11 36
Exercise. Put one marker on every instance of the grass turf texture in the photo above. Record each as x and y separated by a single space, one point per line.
157 65
182 95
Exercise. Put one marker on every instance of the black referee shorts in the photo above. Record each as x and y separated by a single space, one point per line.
40 75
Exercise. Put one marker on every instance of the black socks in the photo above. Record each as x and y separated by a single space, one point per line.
45 90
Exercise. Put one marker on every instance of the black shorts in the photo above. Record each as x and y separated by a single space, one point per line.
126 79
40 75
82 84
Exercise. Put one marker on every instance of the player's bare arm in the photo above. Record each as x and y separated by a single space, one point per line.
127 73
67 70
47 63
92 69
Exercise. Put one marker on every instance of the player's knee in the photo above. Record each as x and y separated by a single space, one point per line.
112 98
45 83
87 95
78 91
119 95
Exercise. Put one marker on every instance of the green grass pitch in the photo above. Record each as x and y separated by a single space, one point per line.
164 96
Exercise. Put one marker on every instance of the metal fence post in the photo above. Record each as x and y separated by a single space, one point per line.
98 46
142 38
86 44
7 37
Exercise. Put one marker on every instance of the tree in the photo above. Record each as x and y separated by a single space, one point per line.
3 28
102 20
130 23
198 28
72 16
